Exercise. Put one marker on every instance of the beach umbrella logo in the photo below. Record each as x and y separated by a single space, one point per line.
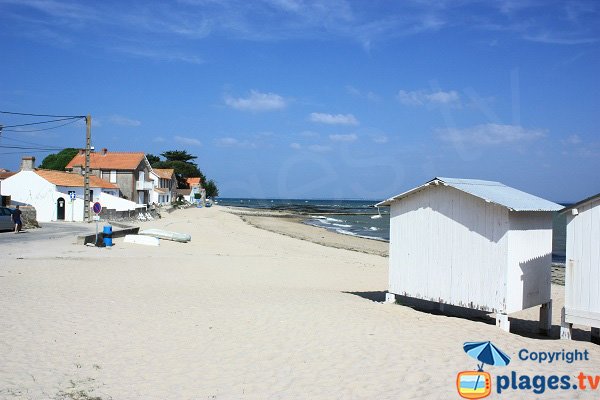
478 384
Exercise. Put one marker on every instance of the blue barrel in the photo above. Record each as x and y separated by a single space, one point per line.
107 235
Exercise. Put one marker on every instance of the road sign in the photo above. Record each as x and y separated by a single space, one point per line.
97 208
72 195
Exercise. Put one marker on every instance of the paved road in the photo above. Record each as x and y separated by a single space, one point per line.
48 231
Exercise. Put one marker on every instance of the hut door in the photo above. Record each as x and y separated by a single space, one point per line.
60 208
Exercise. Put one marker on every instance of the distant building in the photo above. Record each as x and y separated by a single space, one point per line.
472 243
582 274
165 185
129 171
56 195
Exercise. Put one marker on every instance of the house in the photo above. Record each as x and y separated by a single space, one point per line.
4 173
56 195
165 185
194 181
129 171
472 243
582 274
197 192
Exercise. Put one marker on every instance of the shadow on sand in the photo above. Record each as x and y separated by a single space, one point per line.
518 326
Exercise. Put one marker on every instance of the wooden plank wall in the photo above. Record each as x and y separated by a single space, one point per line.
529 260
582 283
451 247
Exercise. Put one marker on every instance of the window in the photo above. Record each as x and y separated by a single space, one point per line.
113 176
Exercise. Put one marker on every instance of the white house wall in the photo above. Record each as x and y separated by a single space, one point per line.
115 203
582 280
27 187
529 260
450 247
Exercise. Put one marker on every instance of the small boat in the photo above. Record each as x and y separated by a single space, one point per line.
140 239
167 235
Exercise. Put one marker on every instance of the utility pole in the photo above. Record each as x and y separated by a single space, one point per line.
86 175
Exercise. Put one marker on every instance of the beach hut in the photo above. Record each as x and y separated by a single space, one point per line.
582 274
472 243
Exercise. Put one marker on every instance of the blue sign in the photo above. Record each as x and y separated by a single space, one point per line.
72 195
97 208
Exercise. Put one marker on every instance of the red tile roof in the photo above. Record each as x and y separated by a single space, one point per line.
6 174
109 160
164 173
74 180
193 181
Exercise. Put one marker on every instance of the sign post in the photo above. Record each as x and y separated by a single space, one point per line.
72 196
97 207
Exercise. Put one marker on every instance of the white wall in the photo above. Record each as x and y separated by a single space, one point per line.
448 246
529 260
582 279
115 203
29 188
79 192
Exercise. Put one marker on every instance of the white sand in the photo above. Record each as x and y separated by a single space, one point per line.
238 313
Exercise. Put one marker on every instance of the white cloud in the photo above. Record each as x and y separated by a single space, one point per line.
296 146
123 121
317 148
491 134
343 138
309 134
159 139
257 101
331 119
380 139
233 142
422 97
371 96
188 141
572 140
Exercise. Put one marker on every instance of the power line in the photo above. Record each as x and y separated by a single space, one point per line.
39 130
40 123
17 140
42 115
3 146
28 152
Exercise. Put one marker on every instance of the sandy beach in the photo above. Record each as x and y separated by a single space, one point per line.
246 310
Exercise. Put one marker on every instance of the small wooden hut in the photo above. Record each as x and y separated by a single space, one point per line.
472 243
582 274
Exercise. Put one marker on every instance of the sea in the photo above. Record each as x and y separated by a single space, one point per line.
362 219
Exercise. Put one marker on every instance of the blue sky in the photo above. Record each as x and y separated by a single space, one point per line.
332 99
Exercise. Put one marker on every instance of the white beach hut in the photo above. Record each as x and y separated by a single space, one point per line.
472 243
582 275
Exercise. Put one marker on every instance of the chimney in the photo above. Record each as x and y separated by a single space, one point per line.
28 163
81 152
104 151
77 169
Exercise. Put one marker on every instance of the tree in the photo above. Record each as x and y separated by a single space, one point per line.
59 160
152 159
181 162
211 189
179 155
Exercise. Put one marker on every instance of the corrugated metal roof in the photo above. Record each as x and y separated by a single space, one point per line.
490 191
579 203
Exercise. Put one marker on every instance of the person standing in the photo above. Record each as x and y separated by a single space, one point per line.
16 217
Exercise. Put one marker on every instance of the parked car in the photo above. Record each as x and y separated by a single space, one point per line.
6 222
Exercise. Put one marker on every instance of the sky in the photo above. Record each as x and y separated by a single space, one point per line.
315 99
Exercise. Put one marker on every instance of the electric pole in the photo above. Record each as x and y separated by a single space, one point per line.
86 174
